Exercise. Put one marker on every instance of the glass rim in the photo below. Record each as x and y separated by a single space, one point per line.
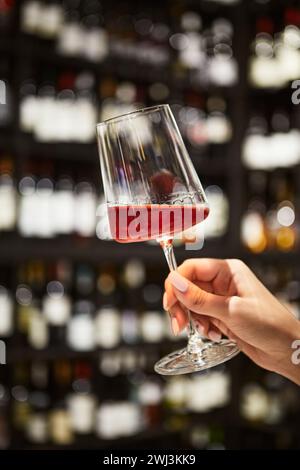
132 114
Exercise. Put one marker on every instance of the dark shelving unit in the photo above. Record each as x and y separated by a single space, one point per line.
147 439
17 354
14 249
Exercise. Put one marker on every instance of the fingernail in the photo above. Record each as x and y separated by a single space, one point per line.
214 336
200 327
165 302
178 281
175 326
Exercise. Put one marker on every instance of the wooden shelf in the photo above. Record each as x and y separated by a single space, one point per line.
272 256
139 440
6 138
15 248
88 152
72 151
260 92
26 353
7 45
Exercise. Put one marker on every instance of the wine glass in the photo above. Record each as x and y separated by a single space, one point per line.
152 191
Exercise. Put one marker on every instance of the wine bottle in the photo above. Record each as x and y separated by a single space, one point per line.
63 206
20 391
82 401
108 327
253 228
6 109
37 427
7 311
285 211
8 196
80 328
56 302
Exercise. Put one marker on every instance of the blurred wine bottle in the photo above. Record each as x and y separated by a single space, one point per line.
8 195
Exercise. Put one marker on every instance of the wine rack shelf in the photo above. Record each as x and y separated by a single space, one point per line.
52 353
14 249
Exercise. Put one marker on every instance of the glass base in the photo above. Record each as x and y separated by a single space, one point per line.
183 362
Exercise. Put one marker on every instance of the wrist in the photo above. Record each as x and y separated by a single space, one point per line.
289 366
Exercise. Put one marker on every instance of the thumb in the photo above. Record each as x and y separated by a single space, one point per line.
197 299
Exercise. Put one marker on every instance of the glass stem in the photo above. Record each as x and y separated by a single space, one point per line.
168 250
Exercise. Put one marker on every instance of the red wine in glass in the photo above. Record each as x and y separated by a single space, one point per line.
138 223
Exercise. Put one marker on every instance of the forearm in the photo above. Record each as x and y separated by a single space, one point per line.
292 373
289 367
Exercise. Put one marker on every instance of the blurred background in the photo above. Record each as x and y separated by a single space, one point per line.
81 316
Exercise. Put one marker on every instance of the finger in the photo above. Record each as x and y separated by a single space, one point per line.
211 332
214 335
212 275
203 269
214 271
179 318
221 327
230 335
197 299
202 324
169 297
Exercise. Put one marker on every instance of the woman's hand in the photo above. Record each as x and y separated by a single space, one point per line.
225 296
